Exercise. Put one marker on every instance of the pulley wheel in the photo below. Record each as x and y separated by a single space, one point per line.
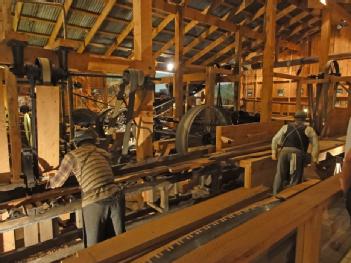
198 127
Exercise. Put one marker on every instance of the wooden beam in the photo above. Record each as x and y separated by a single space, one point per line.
268 60
325 39
208 48
59 23
238 60
104 13
178 87
142 17
204 35
210 84
48 119
5 19
126 31
14 131
171 225
309 238
162 25
187 28
17 17
219 54
241 244
4 145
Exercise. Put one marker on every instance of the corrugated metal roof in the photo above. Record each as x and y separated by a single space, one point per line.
95 6
79 19
112 26
84 13
37 41
41 11
121 13
35 27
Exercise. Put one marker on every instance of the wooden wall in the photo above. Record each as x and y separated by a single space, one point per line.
284 104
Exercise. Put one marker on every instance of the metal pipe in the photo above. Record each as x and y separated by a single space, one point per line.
94 74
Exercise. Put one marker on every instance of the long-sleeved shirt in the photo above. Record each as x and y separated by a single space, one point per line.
94 173
310 133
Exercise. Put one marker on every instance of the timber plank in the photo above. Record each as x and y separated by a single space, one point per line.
168 227
243 245
48 107
4 156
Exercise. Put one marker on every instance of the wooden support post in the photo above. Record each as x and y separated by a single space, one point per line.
237 58
164 200
268 60
5 19
142 16
298 95
178 87
31 235
46 230
4 149
325 91
210 86
309 238
349 101
48 107
7 241
14 129
325 39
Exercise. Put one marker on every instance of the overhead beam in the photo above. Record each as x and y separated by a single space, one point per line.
187 28
208 48
16 18
105 11
162 25
222 52
120 38
204 35
268 60
59 23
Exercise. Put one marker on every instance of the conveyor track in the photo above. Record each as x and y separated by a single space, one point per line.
203 235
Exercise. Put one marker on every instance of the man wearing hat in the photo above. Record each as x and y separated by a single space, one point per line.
100 195
293 140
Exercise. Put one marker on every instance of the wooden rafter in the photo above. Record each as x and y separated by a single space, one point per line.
105 11
170 43
219 54
211 46
59 23
204 35
17 17
120 38
162 25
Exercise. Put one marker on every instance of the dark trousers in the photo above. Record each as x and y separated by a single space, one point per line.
102 220
283 178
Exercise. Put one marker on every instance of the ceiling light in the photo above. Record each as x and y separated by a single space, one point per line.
170 66
324 2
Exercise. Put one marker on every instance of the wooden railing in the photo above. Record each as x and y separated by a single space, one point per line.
302 213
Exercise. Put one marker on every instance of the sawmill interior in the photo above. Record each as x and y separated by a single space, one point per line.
175 131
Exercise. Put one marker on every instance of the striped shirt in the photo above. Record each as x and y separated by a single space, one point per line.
91 167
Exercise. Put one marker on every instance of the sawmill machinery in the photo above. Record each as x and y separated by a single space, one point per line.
40 72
